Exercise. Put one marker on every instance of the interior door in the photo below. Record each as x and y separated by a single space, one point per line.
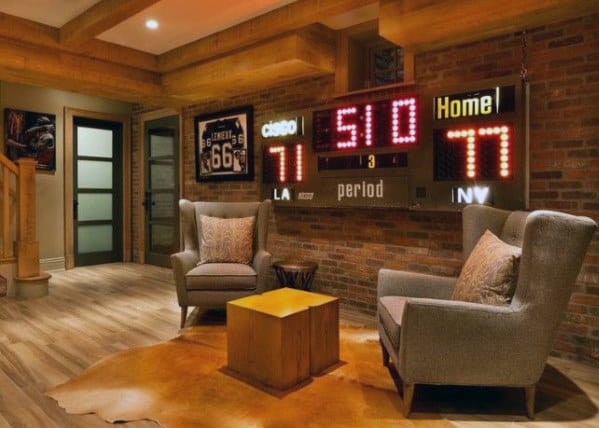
97 195
161 190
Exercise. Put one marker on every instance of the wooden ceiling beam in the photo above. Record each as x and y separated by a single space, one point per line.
23 30
100 17
306 53
287 18
25 63
425 24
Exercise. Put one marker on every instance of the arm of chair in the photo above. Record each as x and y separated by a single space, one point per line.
262 264
447 341
412 284
182 263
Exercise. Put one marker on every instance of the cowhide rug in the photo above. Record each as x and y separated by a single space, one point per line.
185 383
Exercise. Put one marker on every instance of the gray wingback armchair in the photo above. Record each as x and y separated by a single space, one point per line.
212 285
434 340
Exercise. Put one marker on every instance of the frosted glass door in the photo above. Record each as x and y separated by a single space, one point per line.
161 190
97 198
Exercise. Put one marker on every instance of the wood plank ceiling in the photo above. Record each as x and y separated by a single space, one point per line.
270 49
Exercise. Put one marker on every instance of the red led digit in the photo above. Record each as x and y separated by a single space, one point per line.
470 136
368 125
349 129
401 134
281 151
299 162
501 132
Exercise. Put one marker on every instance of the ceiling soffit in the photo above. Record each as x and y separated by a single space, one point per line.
99 18
292 17
422 25
308 52
33 33
184 21
55 13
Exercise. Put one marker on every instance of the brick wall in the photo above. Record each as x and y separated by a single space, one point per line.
352 244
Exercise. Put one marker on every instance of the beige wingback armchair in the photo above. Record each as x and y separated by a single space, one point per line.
434 340
212 285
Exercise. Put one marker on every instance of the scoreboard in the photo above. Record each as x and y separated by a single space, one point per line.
382 124
431 151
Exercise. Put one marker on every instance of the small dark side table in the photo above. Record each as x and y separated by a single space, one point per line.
295 273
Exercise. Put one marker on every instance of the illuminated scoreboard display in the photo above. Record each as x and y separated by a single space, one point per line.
424 151
381 124
472 152
478 147
284 163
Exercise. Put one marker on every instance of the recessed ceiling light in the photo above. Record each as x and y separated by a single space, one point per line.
152 24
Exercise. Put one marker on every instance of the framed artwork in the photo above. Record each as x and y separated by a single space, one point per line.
30 135
224 143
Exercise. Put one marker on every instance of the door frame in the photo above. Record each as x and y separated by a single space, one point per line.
138 196
125 121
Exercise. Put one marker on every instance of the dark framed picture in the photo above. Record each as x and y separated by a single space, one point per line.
224 144
30 135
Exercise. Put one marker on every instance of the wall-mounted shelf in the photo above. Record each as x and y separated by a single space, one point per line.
385 88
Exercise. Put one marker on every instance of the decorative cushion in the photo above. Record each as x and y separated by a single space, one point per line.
489 275
226 240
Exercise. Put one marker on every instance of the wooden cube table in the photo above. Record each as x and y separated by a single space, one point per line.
281 337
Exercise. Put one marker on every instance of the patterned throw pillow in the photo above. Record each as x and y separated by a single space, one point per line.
489 275
226 240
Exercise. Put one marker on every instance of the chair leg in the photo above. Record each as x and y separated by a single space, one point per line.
183 315
385 354
408 395
529 393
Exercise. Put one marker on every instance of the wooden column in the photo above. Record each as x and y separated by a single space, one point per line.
6 244
342 63
409 73
28 259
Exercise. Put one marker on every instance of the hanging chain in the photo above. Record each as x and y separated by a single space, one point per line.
524 64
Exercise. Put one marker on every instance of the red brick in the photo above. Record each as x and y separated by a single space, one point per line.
574 328
585 299
566 42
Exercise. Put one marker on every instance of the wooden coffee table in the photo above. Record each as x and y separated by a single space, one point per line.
281 337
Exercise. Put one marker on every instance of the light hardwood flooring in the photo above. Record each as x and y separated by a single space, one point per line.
95 311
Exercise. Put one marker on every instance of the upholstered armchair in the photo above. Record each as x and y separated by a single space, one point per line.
212 285
434 339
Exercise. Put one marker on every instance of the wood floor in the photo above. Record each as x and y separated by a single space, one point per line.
95 311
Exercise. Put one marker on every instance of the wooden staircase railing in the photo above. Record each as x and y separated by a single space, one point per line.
9 198
19 222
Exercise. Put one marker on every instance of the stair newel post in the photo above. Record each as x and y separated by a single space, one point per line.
7 250
28 259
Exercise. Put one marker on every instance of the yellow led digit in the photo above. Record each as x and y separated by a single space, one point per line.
371 161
